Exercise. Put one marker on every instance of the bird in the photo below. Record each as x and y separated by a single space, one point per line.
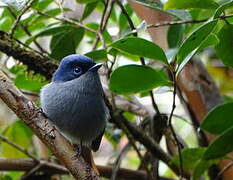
74 103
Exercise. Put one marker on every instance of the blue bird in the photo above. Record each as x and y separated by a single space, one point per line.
74 101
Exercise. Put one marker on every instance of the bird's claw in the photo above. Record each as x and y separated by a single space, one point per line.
78 149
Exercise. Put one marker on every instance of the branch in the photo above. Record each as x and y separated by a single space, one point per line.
25 28
32 116
147 141
39 63
170 23
173 74
25 8
52 168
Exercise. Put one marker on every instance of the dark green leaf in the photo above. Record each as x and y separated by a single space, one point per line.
89 8
219 119
131 79
55 30
190 157
181 14
140 47
64 44
220 146
224 49
212 40
174 36
193 42
97 55
190 4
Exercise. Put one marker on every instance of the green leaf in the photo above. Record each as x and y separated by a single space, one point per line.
41 5
190 4
27 80
98 55
224 49
174 35
140 47
210 41
220 146
190 157
223 7
64 44
181 14
193 42
20 134
131 79
55 30
219 119
202 166
5 24
89 8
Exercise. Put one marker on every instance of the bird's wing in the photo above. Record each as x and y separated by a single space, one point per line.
96 143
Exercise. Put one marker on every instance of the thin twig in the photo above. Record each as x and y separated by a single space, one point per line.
60 7
64 19
119 160
103 22
24 151
110 68
169 23
25 8
25 28
132 142
131 24
170 123
32 171
26 46
224 170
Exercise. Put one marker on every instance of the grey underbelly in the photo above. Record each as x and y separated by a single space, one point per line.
81 121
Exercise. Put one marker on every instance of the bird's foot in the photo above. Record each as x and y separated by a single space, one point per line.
42 112
78 148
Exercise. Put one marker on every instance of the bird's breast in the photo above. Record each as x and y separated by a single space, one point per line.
76 107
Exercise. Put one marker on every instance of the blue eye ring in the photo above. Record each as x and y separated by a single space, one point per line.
77 70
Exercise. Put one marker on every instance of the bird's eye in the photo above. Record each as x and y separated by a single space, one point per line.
77 70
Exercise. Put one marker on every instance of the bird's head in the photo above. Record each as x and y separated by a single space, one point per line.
73 66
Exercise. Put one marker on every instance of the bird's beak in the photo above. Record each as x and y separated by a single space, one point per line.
95 67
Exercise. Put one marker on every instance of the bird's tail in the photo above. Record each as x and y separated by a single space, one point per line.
88 157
